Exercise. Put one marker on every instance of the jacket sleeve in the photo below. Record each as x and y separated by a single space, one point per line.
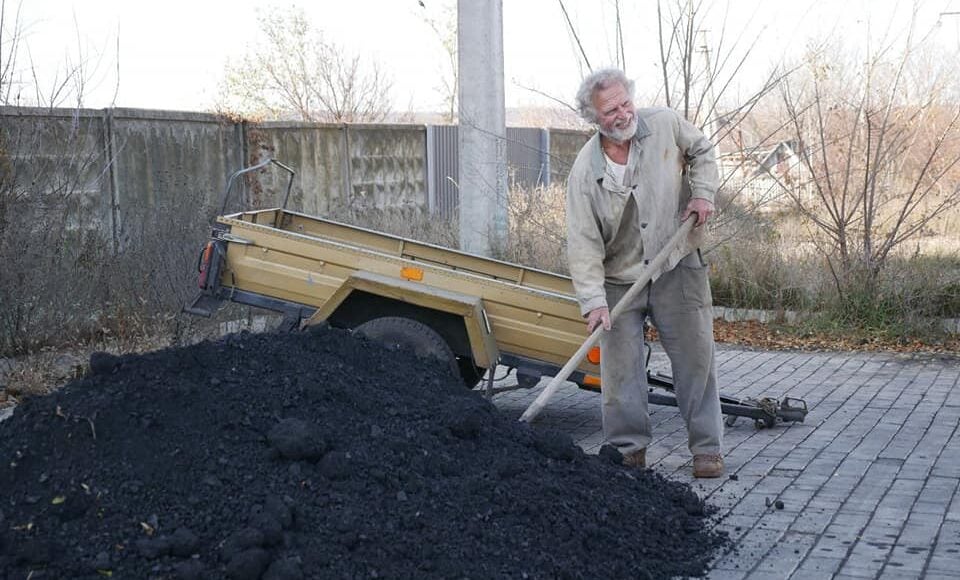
585 248
700 156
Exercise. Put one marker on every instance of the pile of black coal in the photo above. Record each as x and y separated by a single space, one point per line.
317 455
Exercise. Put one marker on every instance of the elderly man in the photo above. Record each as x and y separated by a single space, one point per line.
629 189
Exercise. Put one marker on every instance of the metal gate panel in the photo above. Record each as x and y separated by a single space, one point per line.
443 174
525 157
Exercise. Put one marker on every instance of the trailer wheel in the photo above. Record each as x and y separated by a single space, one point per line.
470 372
395 331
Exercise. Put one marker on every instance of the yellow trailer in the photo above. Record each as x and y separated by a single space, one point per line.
468 311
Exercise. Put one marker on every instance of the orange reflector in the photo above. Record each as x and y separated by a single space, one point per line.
204 265
593 355
409 273
591 380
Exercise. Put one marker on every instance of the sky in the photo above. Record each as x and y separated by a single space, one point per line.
172 54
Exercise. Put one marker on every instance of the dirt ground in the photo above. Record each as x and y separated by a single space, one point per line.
318 455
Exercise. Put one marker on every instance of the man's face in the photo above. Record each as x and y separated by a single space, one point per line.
616 115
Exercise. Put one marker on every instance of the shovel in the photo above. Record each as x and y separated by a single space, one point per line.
541 401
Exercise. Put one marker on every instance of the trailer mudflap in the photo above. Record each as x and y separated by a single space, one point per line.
209 266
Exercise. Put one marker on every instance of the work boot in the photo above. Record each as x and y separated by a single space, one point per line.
707 465
636 459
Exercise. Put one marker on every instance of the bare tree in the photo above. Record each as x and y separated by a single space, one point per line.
22 83
701 75
444 26
701 63
11 35
293 71
881 144
57 232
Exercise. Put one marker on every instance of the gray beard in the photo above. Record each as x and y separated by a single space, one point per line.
621 135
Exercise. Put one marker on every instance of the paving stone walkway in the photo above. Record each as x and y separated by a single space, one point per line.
868 484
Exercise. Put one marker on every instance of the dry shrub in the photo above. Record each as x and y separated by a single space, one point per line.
536 216
755 263
51 245
407 222
67 279
65 286
906 300
776 262
538 228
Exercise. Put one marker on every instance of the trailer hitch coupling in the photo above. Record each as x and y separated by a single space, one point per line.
765 412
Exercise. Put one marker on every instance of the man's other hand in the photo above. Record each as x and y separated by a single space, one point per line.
598 316
703 208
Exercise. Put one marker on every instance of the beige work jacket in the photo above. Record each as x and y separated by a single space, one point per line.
614 231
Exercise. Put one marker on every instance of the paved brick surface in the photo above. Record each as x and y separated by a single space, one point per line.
869 483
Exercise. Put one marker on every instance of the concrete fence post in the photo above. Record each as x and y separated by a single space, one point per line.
113 185
429 169
242 133
545 157
347 166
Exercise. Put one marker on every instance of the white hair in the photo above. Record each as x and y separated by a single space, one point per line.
597 81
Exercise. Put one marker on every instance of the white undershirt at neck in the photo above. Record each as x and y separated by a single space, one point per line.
616 170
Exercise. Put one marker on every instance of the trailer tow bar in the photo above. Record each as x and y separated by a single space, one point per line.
765 412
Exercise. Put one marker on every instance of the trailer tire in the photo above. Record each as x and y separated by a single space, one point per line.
425 342
470 372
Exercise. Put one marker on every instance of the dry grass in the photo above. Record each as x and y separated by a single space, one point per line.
40 373
45 370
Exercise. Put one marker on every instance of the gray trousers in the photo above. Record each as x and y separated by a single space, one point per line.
680 305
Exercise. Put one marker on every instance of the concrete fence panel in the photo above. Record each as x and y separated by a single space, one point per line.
387 166
125 166
53 161
357 165
317 152
168 167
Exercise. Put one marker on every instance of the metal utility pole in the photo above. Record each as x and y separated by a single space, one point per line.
482 135
940 23
711 118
